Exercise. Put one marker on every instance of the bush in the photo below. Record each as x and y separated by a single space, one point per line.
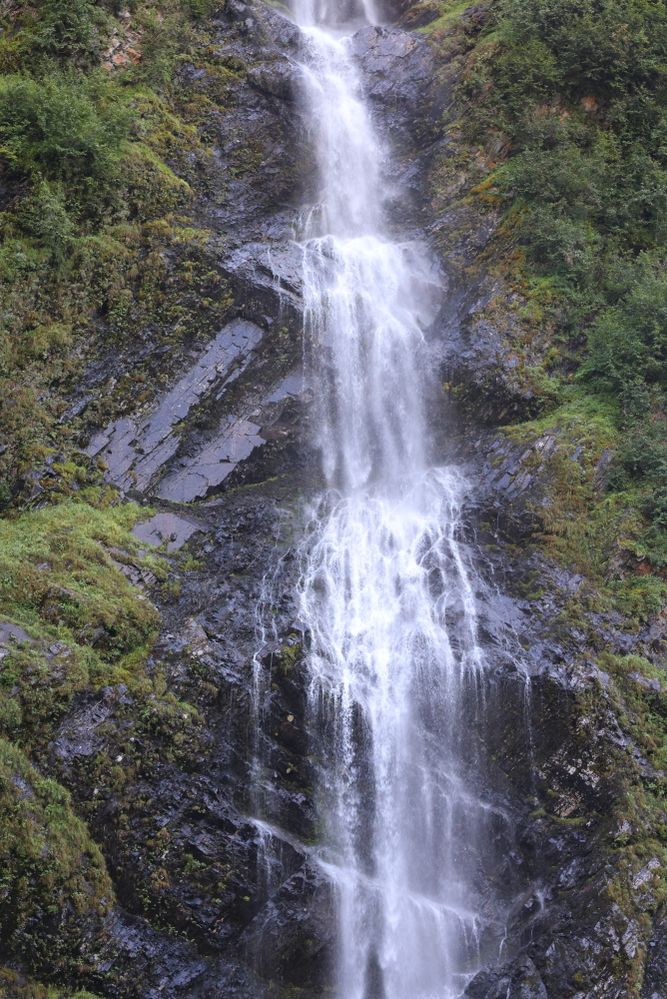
68 30
628 343
44 215
62 128
579 87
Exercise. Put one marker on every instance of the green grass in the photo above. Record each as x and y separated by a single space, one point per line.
592 529
451 12
60 580
15 986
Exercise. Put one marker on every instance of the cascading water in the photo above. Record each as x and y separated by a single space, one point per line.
385 594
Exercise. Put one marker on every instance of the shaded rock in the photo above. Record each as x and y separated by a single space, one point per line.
520 981
484 372
78 735
151 966
267 277
397 69
292 939
656 961
198 475
135 451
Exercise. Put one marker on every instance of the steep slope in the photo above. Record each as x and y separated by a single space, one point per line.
153 165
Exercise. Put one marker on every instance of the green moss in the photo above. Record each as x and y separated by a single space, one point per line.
52 875
589 420
14 985
289 656
61 580
448 13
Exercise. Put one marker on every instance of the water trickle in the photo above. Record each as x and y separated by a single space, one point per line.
385 592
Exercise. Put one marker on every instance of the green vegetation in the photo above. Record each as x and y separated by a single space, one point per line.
15 986
575 96
99 148
51 870
439 16
61 582
564 105
97 151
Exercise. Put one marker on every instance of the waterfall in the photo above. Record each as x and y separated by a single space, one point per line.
385 594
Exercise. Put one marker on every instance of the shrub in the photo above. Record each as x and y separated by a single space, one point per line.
61 128
68 30
579 87
44 215
628 343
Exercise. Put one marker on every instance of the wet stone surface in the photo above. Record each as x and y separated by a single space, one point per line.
135 451
168 529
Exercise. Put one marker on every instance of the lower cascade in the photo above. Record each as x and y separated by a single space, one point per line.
386 593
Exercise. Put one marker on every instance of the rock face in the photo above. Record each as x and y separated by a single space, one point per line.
204 811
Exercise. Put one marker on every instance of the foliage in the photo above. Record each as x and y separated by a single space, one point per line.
51 872
578 93
67 30
61 581
93 160
45 218
65 130
15 986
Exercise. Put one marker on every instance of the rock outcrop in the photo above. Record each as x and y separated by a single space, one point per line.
199 794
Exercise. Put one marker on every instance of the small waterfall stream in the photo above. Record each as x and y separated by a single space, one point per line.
386 593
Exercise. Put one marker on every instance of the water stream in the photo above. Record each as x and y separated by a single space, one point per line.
385 594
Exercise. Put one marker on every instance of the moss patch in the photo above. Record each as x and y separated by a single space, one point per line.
14 985
61 580
52 874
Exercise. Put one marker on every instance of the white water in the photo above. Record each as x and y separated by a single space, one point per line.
385 593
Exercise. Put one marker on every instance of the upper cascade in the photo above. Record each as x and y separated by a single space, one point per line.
334 13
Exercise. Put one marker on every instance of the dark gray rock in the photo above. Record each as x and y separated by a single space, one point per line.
397 70
10 636
267 278
136 451
656 961
520 981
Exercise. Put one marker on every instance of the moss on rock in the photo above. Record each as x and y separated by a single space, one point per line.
54 885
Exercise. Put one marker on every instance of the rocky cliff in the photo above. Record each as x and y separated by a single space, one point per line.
158 830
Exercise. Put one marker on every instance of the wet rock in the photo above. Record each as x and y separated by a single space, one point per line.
78 735
397 69
483 370
151 965
520 981
167 529
196 476
136 451
292 939
256 136
280 81
268 278
656 962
